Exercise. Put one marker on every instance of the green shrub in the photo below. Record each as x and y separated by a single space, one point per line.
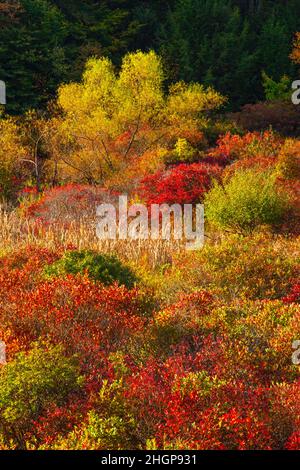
249 199
277 91
183 152
99 267
29 384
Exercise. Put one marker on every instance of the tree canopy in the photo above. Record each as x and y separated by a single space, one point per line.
226 44
110 119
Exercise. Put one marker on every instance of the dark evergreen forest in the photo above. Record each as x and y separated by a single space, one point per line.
225 43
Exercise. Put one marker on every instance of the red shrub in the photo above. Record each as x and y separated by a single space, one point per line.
182 184
72 311
231 147
294 294
183 405
83 316
283 117
200 374
59 420
261 164
69 203
293 442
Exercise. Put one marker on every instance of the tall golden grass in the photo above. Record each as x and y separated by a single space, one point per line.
18 231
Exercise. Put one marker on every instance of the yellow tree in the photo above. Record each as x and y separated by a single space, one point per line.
12 153
112 120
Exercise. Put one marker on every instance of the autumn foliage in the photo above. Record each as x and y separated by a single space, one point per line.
295 55
142 344
180 184
219 373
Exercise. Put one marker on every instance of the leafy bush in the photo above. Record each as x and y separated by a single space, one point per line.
247 200
183 152
288 164
99 267
294 294
29 384
210 370
180 320
259 164
231 147
109 425
67 204
261 266
182 184
77 313
260 334
282 116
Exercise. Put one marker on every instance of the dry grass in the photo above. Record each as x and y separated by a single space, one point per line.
16 231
